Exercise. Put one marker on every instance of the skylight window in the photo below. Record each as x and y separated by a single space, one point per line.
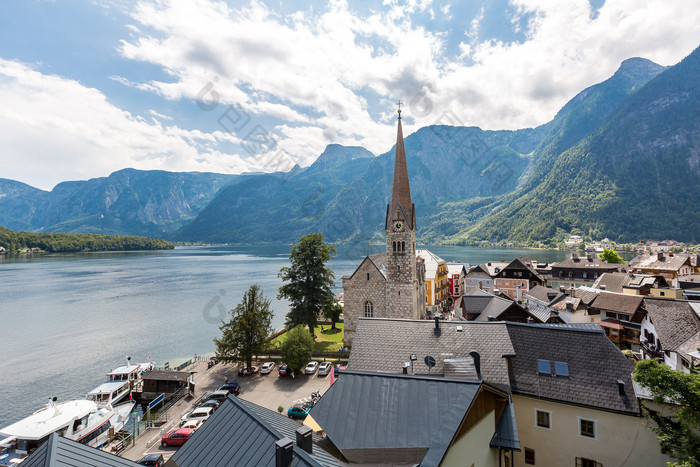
544 367
561 369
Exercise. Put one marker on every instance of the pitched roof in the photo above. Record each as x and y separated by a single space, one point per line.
586 294
540 311
58 452
618 302
593 263
484 304
612 281
455 268
384 345
432 261
675 321
394 418
491 267
506 435
523 263
594 366
400 188
164 375
240 433
545 294
665 263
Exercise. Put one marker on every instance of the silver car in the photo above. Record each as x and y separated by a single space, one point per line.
267 367
311 368
324 368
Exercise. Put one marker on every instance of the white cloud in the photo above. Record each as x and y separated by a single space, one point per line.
328 60
56 129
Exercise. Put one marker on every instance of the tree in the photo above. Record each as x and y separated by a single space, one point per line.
248 331
676 433
332 313
611 256
308 281
296 347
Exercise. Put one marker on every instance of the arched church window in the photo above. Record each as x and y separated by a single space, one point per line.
394 243
369 309
403 246
367 276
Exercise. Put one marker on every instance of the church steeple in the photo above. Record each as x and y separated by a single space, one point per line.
400 189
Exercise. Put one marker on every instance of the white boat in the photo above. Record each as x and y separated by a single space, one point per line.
110 392
81 420
130 372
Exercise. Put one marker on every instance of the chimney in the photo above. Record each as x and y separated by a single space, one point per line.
574 255
670 254
602 286
589 256
437 330
519 294
304 438
660 255
569 306
406 365
284 452
492 318
621 388
477 362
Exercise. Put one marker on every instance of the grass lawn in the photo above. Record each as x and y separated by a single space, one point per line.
325 340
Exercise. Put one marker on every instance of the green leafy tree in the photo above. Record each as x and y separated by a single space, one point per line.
677 434
308 281
297 347
611 256
248 331
332 313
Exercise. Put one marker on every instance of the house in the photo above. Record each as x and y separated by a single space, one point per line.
456 273
545 294
405 419
58 451
481 276
670 330
573 240
480 305
575 307
437 289
577 271
629 283
619 315
392 284
243 433
517 277
570 386
162 381
670 266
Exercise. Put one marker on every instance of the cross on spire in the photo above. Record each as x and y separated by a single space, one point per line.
399 104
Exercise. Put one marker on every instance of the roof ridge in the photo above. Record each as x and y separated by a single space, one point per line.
412 376
430 321
579 327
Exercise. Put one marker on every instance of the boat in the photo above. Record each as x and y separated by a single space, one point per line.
84 421
110 392
130 372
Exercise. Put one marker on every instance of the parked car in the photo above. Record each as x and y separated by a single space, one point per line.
299 411
311 368
212 361
154 460
232 388
194 424
176 437
213 403
219 395
200 413
324 368
243 369
284 370
267 367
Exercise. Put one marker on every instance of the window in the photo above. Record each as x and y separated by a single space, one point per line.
367 276
394 246
583 462
369 309
561 369
529 456
543 367
403 246
542 419
662 293
587 427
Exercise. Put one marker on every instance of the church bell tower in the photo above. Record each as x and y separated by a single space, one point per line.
402 285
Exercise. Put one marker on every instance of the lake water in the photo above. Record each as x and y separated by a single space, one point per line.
69 318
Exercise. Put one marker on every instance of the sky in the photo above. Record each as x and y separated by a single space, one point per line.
89 87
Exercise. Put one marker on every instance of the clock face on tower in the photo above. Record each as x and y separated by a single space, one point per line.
398 226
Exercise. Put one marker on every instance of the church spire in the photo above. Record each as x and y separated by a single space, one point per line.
400 189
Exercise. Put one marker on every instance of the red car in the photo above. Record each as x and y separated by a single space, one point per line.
177 437
284 370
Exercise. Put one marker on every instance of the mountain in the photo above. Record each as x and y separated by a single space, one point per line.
636 176
344 193
129 201
582 115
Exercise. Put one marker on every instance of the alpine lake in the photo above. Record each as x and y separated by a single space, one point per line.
70 318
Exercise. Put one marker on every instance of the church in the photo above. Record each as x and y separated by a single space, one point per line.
390 284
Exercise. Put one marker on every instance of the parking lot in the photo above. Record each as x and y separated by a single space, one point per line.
270 391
